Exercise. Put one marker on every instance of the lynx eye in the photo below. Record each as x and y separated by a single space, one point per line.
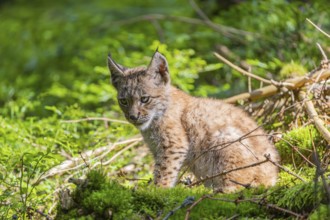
145 99
123 102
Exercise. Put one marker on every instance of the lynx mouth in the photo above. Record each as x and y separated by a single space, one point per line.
144 124
139 123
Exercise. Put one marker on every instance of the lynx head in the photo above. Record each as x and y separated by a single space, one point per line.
142 91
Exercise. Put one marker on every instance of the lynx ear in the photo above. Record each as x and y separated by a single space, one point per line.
116 70
159 66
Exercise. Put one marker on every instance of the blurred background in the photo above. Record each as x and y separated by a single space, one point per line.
54 52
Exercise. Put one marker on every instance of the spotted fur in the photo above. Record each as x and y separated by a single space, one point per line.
206 135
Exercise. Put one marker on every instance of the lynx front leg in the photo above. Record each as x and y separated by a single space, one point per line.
168 166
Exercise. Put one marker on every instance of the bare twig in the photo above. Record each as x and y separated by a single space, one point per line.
189 200
325 58
226 31
229 171
319 172
95 119
118 154
222 146
273 206
295 148
318 28
198 10
77 162
239 69
284 168
194 204
39 212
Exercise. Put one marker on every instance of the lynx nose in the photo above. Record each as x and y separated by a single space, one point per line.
133 117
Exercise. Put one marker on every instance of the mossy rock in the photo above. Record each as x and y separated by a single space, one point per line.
108 196
110 200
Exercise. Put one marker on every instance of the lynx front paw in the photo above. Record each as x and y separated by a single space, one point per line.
165 181
164 184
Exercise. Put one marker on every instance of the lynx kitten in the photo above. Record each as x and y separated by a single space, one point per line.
209 136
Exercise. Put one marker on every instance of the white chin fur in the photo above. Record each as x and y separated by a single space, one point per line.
146 125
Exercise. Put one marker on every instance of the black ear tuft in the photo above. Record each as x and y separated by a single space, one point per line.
158 65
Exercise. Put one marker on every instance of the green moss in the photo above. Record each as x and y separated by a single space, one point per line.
96 179
95 198
291 70
302 139
301 198
144 201
100 194
286 179
153 201
322 212
111 196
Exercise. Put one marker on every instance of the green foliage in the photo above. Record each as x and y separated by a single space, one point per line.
184 68
62 71
19 187
269 26
30 147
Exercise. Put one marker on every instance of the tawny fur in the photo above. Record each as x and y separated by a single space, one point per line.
207 135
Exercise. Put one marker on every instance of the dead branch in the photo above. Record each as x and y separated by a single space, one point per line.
325 58
95 119
319 124
226 31
77 162
284 168
117 154
298 216
270 90
215 148
229 171
319 170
